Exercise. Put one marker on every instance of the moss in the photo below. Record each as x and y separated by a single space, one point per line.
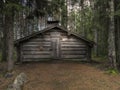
112 71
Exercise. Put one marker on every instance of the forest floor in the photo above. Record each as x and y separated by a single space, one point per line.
64 76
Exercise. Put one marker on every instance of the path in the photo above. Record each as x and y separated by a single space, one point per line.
67 76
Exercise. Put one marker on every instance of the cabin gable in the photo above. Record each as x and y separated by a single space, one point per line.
54 44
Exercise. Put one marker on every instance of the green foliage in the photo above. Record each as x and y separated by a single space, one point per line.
117 13
112 71
83 21
10 7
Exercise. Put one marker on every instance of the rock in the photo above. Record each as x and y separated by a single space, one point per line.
8 75
19 82
14 87
20 79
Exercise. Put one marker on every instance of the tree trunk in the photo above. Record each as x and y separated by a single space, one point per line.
8 31
4 48
68 14
96 41
82 18
117 28
111 38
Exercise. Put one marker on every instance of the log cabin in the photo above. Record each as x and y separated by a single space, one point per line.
53 43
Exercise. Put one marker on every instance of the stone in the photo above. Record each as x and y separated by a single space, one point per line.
8 75
18 83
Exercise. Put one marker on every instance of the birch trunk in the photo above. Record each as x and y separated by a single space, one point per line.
68 2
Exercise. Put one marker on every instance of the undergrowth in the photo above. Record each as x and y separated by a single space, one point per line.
112 71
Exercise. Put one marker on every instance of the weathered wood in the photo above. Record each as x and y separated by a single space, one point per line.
55 34
37 46
34 43
74 46
70 38
74 53
40 39
36 56
18 53
74 59
36 49
72 43
36 59
36 52
54 49
74 56
58 49
69 45
54 44
72 49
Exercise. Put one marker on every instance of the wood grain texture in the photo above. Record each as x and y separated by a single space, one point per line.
36 52
36 56
74 56
53 45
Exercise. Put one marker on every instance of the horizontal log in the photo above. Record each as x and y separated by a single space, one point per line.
73 52
47 33
47 36
42 36
72 39
55 31
74 59
36 49
31 49
72 43
55 34
37 46
49 48
36 52
37 43
73 46
36 59
74 56
73 49
40 40
36 56
64 34
45 48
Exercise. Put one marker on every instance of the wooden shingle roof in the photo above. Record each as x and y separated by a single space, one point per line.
17 42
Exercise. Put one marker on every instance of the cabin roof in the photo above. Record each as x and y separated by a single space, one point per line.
17 42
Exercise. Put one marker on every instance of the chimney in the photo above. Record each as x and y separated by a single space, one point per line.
53 22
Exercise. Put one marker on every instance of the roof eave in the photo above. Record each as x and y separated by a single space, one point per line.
17 42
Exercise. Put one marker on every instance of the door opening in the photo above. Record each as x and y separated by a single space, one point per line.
56 48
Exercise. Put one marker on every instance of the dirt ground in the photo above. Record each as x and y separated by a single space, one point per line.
65 76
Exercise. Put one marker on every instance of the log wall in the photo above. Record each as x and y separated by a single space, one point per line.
41 47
